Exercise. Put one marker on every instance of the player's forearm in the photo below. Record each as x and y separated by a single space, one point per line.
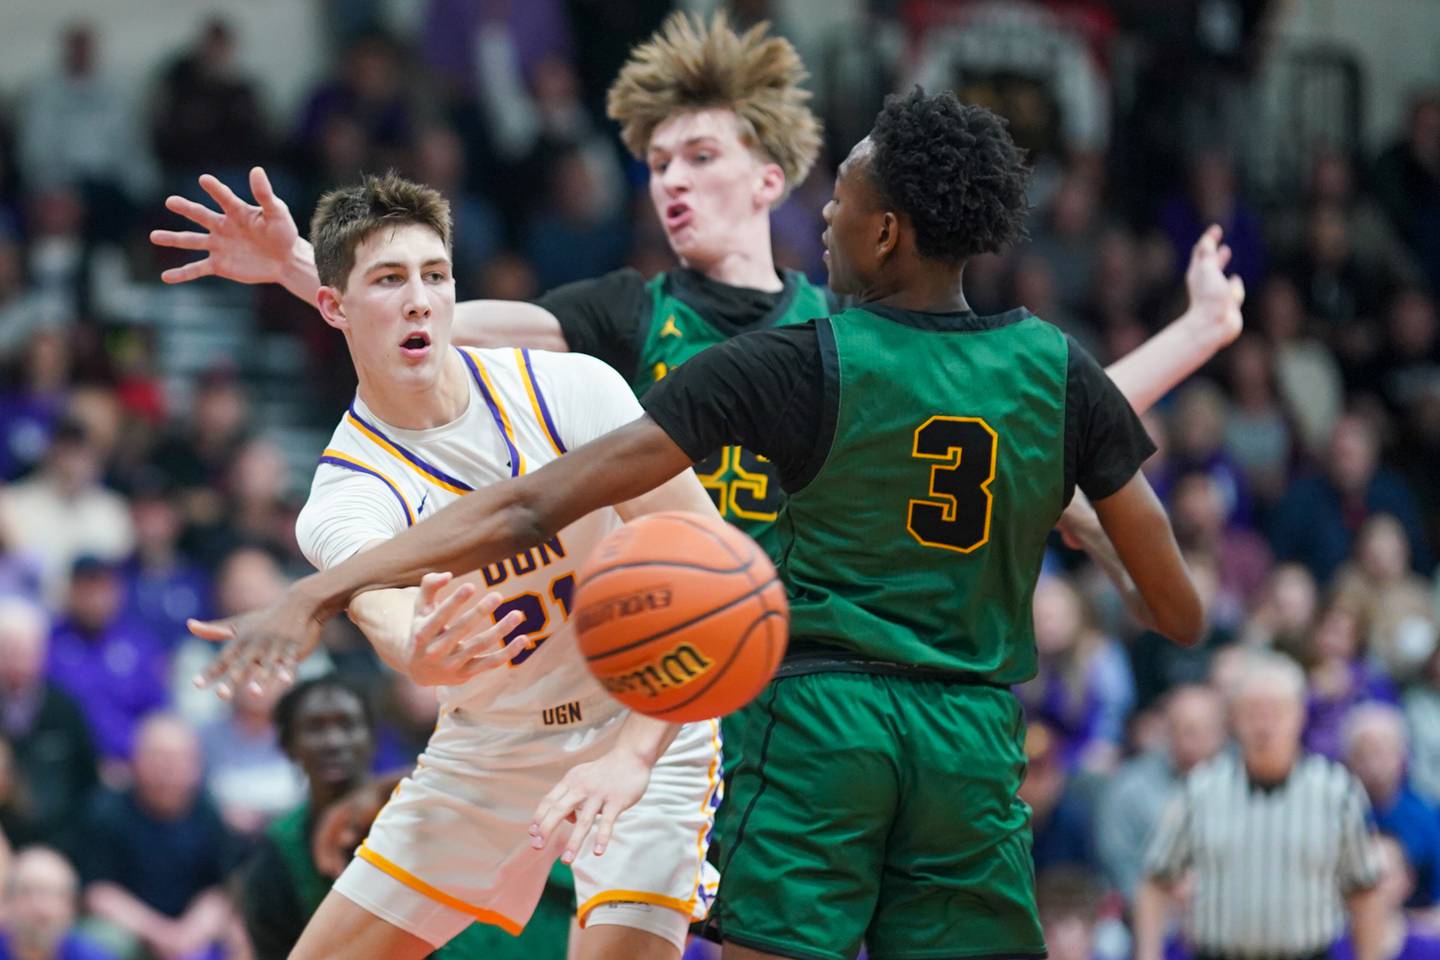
114 903
298 274
483 527
507 323
384 617
646 738
500 521
1163 362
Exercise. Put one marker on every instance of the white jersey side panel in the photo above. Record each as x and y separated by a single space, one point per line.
526 408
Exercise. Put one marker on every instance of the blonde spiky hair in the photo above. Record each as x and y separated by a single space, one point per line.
688 66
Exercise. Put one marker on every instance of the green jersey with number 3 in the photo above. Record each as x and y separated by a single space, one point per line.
744 485
919 540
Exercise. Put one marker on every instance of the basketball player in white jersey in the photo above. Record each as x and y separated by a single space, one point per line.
431 422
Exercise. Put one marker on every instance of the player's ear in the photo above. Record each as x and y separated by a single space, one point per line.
887 235
771 186
331 308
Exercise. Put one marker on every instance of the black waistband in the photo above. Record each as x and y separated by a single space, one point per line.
806 655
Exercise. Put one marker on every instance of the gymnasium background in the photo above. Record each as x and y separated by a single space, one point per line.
156 443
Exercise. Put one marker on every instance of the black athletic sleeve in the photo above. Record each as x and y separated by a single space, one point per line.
1105 442
604 317
765 391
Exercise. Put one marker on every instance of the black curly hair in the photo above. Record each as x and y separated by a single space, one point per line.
289 705
953 170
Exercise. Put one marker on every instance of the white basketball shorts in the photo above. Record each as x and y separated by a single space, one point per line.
452 845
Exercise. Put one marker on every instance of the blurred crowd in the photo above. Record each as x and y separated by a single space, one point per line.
1300 468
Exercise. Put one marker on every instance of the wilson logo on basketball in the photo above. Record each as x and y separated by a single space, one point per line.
614 608
680 666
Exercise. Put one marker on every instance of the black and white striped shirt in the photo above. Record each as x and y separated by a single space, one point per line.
1271 865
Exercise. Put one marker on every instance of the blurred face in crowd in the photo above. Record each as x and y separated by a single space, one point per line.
1059 616
23 645
1200 421
332 740
40 903
94 599
1292 597
1268 712
711 191
1194 725
397 307
1329 235
74 464
1413 325
167 767
1354 451
1330 177
1383 550
1044 772
248 579
1198 509
1337 635
220 409
1281 310
1375 753
1250 373
157 523
258 474
79 50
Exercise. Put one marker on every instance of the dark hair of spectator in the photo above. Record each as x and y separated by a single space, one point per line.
954 171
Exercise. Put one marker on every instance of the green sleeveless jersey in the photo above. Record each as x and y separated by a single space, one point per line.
919 540
744 485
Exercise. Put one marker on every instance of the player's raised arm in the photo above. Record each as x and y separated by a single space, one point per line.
1211 322
260 243
483 527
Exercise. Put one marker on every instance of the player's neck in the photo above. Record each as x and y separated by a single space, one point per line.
418 407
921 290
750 263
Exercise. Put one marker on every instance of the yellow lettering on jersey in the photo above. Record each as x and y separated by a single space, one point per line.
670 330
660 371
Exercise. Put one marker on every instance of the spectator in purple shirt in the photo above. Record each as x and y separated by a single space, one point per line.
1340 678
162 587
1404 938
115 668
40 908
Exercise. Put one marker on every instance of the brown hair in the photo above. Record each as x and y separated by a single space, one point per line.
345 217
688 66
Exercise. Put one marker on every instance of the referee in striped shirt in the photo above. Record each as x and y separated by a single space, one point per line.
1274 841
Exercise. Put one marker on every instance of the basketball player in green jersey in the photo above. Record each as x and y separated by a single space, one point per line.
926 452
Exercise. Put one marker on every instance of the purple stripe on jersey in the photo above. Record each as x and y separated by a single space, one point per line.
544 408
414 458
494 412
359 468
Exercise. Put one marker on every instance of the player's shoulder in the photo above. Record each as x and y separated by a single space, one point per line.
575 372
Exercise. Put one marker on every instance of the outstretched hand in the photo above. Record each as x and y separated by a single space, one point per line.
453 640
246 242
1215 299
591 795
262 648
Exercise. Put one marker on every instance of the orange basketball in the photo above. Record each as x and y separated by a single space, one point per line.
681 616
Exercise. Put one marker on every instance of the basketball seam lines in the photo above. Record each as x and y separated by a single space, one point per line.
681 626
709 533
668 564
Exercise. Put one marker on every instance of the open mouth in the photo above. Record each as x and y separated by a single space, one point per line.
677 215
416 344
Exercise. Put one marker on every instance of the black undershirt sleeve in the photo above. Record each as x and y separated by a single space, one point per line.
1105 442
604 317
273 917
765 391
